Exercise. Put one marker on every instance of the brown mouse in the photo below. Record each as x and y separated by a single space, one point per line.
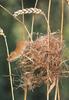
20 46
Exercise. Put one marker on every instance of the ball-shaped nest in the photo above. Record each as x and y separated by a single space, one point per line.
39 56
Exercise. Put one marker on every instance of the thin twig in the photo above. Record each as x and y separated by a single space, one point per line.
58 93
10 72
22 8
25 93
45 18
56 90
51 87
16 19
48 30
47 91
49 7
62 20
33 21
22 4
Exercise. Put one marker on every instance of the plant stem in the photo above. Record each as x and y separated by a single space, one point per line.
10 73
58 94
22 8
33 21
56 90
62 20
48 31
22 4
47 91
25 93
49 7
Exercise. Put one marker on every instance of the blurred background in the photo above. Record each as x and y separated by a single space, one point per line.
14 32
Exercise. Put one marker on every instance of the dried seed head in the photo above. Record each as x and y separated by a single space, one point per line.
28 11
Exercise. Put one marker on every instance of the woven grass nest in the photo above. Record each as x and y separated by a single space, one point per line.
40 56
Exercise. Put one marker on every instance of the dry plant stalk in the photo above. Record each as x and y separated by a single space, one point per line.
10 73
48 31
56 90
32 26
25 94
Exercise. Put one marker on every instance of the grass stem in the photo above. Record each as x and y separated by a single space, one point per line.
56 90
62 20
25 93
33 21
48 31
10 72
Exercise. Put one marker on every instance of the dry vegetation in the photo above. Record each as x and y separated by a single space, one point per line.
39 61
